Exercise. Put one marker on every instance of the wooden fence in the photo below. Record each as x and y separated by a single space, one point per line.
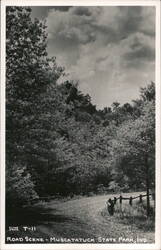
140 197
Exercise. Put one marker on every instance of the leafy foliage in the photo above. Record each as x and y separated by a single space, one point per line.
28 77
57 141
19 186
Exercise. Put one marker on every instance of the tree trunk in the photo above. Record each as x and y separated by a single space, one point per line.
147 186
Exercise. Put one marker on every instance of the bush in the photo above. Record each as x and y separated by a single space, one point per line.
19 186
101 189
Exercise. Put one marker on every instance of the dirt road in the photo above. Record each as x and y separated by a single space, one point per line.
83 218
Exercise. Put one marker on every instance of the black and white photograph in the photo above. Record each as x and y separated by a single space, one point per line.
80 122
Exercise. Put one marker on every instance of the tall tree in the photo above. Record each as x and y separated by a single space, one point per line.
134 148
29 76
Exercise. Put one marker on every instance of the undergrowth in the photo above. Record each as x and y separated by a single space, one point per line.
134 215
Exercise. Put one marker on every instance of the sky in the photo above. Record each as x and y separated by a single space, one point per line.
110 50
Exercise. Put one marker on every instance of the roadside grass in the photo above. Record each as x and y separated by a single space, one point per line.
134 215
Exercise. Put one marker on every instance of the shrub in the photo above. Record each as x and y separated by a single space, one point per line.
19 186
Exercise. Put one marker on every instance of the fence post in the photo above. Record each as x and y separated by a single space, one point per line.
120 199
130 201
140 198
115 200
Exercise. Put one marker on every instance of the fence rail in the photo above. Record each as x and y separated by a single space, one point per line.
121 198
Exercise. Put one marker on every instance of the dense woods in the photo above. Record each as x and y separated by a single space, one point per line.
57 141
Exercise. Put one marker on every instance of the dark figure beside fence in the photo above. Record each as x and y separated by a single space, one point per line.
110 207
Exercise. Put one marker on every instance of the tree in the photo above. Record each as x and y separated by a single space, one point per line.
133 148
30 76
148 93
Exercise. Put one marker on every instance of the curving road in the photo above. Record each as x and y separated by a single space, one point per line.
83 218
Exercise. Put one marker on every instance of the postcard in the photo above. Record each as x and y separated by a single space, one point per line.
80 124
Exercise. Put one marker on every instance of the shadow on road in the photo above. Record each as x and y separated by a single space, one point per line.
34 216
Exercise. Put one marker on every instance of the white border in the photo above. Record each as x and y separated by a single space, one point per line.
157 4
